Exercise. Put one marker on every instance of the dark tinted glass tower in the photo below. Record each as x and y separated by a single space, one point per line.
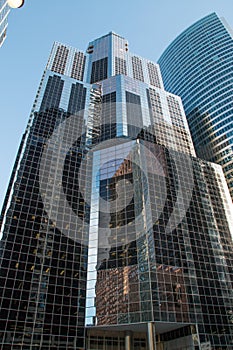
198 66
114 235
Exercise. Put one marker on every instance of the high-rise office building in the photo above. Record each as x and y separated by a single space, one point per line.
198 66
4 12
114 234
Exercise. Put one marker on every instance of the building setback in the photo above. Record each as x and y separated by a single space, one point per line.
198 66
114 234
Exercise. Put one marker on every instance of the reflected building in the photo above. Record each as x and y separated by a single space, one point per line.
198 66
4 12
115 235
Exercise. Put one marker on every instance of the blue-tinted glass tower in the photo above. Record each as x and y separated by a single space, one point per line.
114 234
198 66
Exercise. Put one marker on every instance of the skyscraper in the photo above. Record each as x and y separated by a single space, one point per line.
4 12
115 235
198 66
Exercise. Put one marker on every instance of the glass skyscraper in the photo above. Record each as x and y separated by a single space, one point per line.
114 234
4 12
198 66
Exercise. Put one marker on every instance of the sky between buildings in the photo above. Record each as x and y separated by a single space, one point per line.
148 25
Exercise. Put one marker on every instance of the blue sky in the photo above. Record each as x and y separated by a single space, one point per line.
148 25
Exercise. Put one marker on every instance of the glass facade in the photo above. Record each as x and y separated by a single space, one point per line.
197 66
114 234
4 12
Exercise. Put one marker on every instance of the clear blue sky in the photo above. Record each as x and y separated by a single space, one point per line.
148 25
